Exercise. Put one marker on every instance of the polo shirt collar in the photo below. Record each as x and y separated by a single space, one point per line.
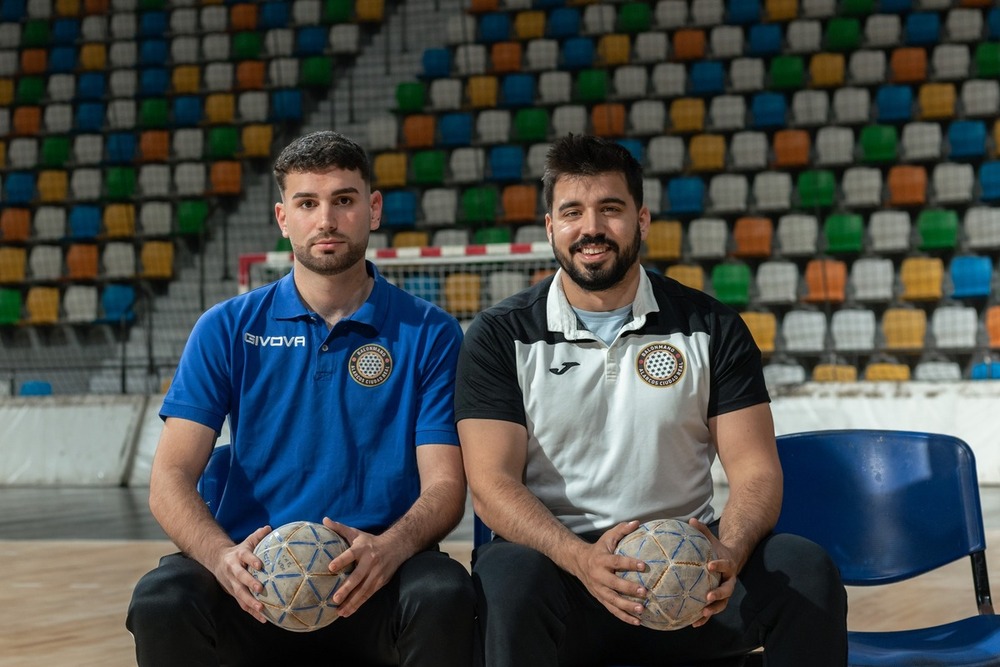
562 318
287 304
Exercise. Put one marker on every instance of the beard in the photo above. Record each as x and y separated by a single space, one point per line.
329 264
598 278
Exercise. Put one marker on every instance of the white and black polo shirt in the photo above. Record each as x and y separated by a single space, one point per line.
615 432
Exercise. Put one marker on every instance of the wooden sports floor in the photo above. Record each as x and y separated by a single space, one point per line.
71 557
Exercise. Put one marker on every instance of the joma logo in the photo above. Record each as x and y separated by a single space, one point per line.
274 341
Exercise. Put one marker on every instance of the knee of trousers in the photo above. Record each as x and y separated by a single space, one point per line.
440 587
803 567
515 577
167 594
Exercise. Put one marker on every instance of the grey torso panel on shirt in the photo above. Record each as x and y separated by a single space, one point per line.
614 432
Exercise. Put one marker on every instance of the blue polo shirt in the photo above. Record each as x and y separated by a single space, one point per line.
322 422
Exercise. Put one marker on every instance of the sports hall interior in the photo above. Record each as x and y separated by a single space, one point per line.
829 168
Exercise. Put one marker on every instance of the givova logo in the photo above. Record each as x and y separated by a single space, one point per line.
274 341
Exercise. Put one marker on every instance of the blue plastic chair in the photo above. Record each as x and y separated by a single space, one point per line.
889 506
967 139
274 15
63 60
117 301
89 117
894 103
506 163
993 23
971 276
153 23
13 10
518 90
66 31
744 12
563 22
577 53
91 86
286 105
922 29
985 371
424 287
20 187
400 207
153 52
311 40
120 148
707 77
895 6
455 129
84 222
436 62
188 110
768 111
685 195
35 388
989 181
765 39
636 147
494 27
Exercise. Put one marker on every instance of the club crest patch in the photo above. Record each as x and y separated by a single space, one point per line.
660 364
370 365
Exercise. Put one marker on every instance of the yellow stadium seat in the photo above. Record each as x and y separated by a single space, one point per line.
781 10
707 152
691 275
369 11
12 264
826 70
257 140
614 49
42 305
481 91
763 327
834 373
389 170
119 220
220 108
921 278
664 240
462 294
186 79
687 114
410 239
157 258
904 328
884 371
53 185
529 24
94 56
937 101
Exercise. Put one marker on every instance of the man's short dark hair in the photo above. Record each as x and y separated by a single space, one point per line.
320 152
585 155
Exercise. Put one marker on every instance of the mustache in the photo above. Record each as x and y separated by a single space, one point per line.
322 238
588 239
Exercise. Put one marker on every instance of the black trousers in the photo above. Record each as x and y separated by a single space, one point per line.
788 599
423 617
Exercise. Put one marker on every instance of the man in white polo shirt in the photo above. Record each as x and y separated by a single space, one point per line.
598 399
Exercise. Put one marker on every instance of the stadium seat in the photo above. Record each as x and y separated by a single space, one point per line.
727 112
763 327
665 154
971 276
936 101
980 97
989 181
908 64
851 105
117 301
966 139
871 279
907 185
921 278
791 148
853 330
479 205
427 167
886 371
726 41
502 284
707 238
904 329
79 304
668 80
981 227
844 233
408 238
810 108
156 260
519 202
731 283
685 195
937 229
804 331
462 294
922 141
664 240
937 370
950 62
439 206
728 193
772 190
399 208
752 237
687 115
707 152
797 234
825 281
835 372
862 187
768 111
749 151
118 260
746 75
608 119
816 188
954 327
691 275
777 282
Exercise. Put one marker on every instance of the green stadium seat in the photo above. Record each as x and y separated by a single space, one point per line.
491 235
191 216
154 112
35 33
246 45
479 204
410 96
428 167
592 85
816 187
857 7
55 151
787 72
938 229
731 283
120 183
338 11
987 60
531 125
316 71
634 17
223 142
10 306
844 232
30 90
879 143
842 34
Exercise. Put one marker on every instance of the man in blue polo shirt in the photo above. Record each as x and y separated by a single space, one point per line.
339 391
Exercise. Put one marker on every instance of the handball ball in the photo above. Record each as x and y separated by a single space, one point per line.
677 575
298 586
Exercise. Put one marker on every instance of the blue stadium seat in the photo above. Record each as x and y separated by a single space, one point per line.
895 6
13 10
62 59
455 129
399 208
518 90
273 15
35 388
311 40
985 371
65 31
685 195
89 117
744 12
967 139
84 222
494 27
707 77
993 23
20 187
153 23
119 148
971 276
894 103
577 53
153 81
768 110
634 146
117 301
188 110
286 105
91 86
436 62
563 22
922 29
153 52
425 287
506 163
989 181
765 39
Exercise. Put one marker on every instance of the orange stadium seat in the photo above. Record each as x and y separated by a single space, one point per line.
752 237
907 185
608 119
791 148
226 177
250 74
418 130
908 64
154 146
82 261
689 44
506 57
826 280
15 224
520 203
